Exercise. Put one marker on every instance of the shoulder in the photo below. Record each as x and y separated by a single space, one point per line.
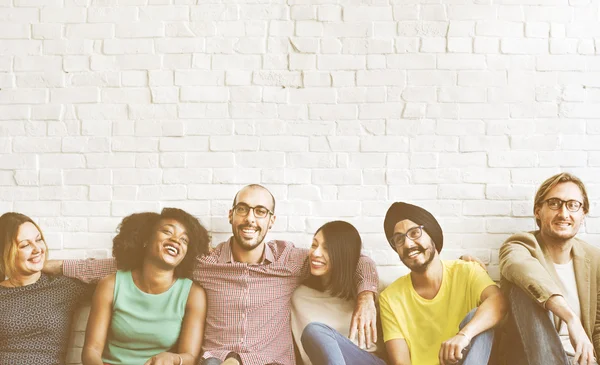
283 250
527 238
590 250
396 287
197 296
107 282
464 269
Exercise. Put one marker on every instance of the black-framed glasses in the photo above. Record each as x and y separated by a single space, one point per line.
398 239
244 209
556 204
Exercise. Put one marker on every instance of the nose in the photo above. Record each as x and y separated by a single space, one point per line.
563 211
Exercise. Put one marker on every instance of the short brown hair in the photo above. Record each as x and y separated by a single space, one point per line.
9 230
551 182
136 229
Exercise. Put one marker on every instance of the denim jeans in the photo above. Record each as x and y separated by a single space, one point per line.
479 350
530 327
326 346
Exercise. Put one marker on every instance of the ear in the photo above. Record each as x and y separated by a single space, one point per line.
272 221
536 212
230 216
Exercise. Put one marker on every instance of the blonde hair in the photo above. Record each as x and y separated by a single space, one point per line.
9 230
551 182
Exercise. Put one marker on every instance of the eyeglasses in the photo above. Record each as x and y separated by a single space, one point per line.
398 239
556 204
244 209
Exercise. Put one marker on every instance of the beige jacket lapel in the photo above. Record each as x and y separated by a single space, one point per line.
581 264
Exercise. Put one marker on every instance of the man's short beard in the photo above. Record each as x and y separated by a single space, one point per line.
422 267
238 243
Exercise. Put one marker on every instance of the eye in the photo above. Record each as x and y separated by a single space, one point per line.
184 241
261 211
166 231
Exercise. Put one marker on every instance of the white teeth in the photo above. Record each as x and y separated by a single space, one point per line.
413 253
317 263
172 250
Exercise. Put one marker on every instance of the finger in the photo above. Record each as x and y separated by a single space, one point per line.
368 335
441 355
353 330
374 331
361 337
458 353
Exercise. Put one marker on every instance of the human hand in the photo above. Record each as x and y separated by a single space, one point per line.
451 350
364 321
165 358
584 350
469 258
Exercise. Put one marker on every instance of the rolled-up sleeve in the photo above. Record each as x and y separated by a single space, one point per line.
366 277
89 270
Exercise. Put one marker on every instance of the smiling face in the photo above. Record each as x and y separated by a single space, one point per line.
417 254
249 231
31 250
560 225
169 243
319 256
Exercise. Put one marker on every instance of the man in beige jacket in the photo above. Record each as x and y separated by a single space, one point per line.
552 279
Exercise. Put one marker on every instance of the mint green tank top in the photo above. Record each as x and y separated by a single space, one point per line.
142 324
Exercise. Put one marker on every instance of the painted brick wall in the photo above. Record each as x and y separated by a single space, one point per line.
338 106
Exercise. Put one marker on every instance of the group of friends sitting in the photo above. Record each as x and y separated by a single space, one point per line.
167 298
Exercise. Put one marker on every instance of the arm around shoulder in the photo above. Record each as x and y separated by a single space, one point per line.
98 322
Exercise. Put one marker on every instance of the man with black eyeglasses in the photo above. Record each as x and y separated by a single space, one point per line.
249 283
551 280
443 312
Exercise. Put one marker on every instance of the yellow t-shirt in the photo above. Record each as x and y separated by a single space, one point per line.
424 324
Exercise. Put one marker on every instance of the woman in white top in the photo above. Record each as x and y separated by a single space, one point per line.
322 308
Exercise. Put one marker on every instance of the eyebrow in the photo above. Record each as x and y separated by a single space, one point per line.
36 237
173 226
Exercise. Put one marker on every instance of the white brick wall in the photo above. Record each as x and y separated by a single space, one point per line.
340 107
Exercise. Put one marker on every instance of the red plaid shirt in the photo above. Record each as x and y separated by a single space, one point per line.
248 304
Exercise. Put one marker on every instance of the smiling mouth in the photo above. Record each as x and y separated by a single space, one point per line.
413 254
171 249
249 232
35 259
317 264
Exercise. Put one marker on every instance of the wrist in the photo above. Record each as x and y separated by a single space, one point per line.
465 335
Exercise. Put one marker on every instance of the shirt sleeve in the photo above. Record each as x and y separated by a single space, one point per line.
389 323
90 270
479 280
366 278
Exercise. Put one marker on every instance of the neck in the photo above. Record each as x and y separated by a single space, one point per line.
431 278
24 280
253 256
559 250
152 279
325 280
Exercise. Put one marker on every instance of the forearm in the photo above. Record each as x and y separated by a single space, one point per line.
53 267
489 313
90 270
366 278
558 305
91 356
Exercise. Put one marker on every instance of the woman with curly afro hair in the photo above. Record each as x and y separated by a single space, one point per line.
150 312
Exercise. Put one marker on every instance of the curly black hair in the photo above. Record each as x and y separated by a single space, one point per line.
136 229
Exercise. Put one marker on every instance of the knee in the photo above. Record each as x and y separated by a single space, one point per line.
313 331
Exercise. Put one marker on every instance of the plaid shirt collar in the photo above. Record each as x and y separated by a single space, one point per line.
226 256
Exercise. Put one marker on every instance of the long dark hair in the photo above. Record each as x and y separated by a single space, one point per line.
136 229
343 245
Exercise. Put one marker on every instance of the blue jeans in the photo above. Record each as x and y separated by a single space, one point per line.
530 327
479 350
326 346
